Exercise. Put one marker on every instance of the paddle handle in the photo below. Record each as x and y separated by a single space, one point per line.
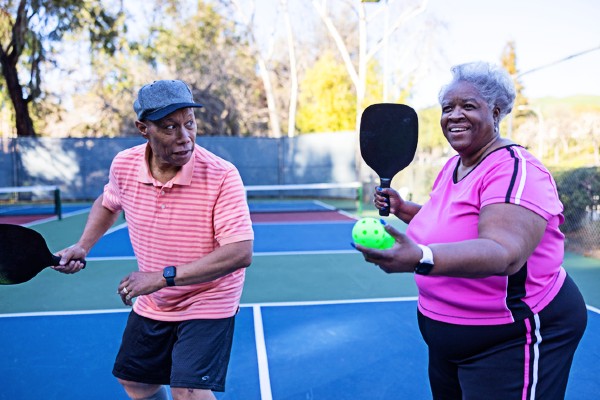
385 183
56 260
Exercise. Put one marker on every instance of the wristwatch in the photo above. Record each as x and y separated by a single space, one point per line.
169 273
425 264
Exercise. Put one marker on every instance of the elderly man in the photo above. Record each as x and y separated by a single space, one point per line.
191 231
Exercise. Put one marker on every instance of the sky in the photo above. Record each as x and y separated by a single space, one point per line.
544 31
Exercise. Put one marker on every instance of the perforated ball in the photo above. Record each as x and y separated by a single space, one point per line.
369 232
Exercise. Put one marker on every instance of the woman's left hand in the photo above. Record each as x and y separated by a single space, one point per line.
402 257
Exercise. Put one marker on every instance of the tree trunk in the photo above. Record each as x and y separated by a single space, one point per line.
293 72
23 121
9 56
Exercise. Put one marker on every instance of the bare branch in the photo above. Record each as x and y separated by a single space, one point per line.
402 19
335 34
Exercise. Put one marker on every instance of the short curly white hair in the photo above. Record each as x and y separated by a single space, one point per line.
493 83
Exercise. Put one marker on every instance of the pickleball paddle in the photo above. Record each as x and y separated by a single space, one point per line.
23 254
388 140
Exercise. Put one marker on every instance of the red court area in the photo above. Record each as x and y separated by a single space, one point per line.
303 216
21 219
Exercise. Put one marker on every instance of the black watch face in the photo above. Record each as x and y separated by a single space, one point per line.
169 272
423 268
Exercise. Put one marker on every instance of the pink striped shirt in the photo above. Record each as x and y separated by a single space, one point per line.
507 175
203 207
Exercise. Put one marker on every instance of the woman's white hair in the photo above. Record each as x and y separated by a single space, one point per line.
493 83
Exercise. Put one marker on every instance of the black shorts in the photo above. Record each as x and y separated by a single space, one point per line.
528 359
186 354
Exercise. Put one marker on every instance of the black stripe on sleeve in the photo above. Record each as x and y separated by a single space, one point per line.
513 179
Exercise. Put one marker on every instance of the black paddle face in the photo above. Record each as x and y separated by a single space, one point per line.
388 139
23 254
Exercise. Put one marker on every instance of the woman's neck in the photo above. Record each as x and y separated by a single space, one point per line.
467 164
474 159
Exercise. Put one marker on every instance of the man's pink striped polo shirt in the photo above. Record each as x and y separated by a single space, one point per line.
203 207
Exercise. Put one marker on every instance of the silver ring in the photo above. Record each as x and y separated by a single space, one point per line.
128 297
125 291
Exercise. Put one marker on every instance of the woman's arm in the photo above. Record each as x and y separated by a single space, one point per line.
508 235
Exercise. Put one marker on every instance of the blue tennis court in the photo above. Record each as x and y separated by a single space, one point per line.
269 238
342 350
316 322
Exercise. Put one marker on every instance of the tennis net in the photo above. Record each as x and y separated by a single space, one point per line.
30 200
312 197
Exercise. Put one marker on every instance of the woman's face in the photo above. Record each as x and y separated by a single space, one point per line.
467 121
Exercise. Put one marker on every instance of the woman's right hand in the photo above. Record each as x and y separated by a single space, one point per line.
395 200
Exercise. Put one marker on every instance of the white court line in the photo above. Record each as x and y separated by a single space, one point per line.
329 302
261 353
63 313
594 309
55 218
118 258
258 254
286 253
242 305
296 253
116 228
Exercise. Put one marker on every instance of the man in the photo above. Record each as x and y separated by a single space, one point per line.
191 232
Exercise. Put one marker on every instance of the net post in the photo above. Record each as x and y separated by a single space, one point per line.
57 203
359 206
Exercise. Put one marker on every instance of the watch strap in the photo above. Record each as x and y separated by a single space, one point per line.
169 274
425 264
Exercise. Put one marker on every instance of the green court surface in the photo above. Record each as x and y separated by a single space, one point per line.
270 278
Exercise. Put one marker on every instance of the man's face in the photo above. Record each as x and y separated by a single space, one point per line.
171 138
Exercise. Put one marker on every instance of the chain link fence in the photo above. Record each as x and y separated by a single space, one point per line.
80 168
579 191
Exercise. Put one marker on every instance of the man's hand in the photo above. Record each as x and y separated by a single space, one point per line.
70 259
139 283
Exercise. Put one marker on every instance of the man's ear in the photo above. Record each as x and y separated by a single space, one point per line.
142 127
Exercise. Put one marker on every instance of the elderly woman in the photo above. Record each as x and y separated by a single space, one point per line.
500 316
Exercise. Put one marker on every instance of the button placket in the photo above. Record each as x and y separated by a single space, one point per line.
161 198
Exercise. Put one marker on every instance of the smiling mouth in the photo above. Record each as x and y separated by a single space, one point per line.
455 130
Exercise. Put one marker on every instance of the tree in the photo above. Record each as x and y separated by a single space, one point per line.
293 70
28 31
327 96
357 66
327 99
521 108
203 48
263 68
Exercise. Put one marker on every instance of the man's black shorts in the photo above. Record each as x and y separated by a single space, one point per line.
186 354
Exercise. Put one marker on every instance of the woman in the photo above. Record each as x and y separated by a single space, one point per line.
499 314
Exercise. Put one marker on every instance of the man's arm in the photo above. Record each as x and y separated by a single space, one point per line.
222 261
99 221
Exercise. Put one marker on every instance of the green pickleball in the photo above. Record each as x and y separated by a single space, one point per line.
369 232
